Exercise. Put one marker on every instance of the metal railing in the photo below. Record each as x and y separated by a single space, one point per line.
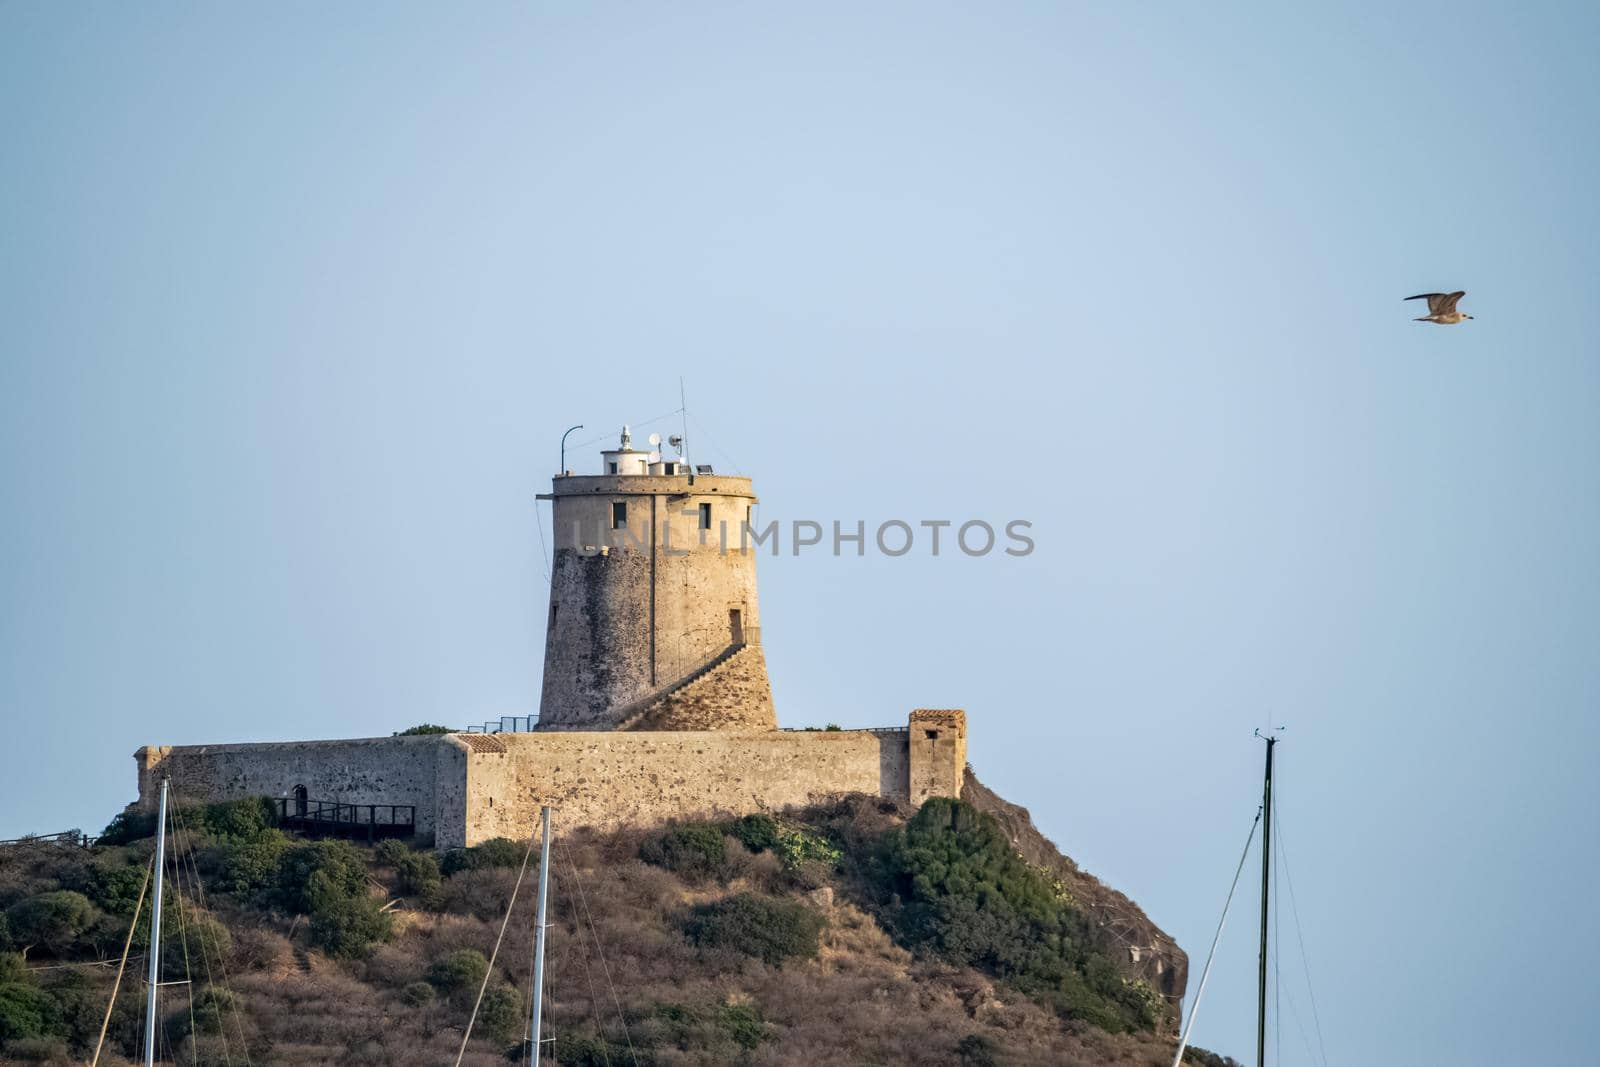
65 837
507 724
339 819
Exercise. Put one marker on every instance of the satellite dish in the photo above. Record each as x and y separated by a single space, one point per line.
676 442
655 440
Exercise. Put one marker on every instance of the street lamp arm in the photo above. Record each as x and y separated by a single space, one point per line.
564 447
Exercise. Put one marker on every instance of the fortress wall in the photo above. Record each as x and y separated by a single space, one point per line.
420 771
611 779
468 788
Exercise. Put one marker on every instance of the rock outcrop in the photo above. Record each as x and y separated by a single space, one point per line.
1124 932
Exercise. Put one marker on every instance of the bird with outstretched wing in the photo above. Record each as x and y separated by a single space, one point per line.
1441 307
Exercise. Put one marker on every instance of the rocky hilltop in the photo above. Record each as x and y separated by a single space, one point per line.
861 932
1122 930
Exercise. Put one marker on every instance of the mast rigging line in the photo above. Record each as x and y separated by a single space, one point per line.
600 952
466 1034
133 924
588 973
1305 961
1277 958
184 837
1200 991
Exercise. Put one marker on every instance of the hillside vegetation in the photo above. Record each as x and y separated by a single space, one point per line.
859 933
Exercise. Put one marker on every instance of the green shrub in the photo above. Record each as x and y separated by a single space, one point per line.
23 1010
344 923
231 820
590 1050
417 994
693 850
213 1012
462 969
75 1007
199 931
424 728
967 896
500 1015
417 873
496 852
114 887
252 864
765 927
757 832
795 846
976 1050
343 867
55 921
389 853
128 825
744 1023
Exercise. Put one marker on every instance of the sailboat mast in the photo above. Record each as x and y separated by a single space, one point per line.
538 937
1266 884
155 932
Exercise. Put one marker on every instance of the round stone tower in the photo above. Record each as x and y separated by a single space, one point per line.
653 621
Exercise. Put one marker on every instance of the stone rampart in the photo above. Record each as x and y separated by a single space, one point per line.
468 788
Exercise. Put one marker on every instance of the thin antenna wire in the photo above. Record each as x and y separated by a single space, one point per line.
701 435
683 409
1305 961
635 425
1277 954
1194 1012
544 553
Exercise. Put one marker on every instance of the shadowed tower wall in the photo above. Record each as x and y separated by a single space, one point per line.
653 621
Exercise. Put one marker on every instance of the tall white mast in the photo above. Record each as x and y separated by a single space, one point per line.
155 933
538 951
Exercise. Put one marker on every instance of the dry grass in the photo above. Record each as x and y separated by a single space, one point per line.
619 967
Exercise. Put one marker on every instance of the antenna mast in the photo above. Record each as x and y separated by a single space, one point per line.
1266 883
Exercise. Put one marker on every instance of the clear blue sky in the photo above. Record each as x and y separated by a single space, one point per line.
296 301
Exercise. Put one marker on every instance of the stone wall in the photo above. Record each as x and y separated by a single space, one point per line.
426 772
611 779
468 788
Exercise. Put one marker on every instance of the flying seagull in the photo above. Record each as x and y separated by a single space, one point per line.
1441 307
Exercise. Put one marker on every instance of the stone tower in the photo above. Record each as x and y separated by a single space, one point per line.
653 622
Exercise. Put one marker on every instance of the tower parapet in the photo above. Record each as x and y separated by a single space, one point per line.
653 619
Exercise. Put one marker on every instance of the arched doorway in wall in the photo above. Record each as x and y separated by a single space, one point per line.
300 798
